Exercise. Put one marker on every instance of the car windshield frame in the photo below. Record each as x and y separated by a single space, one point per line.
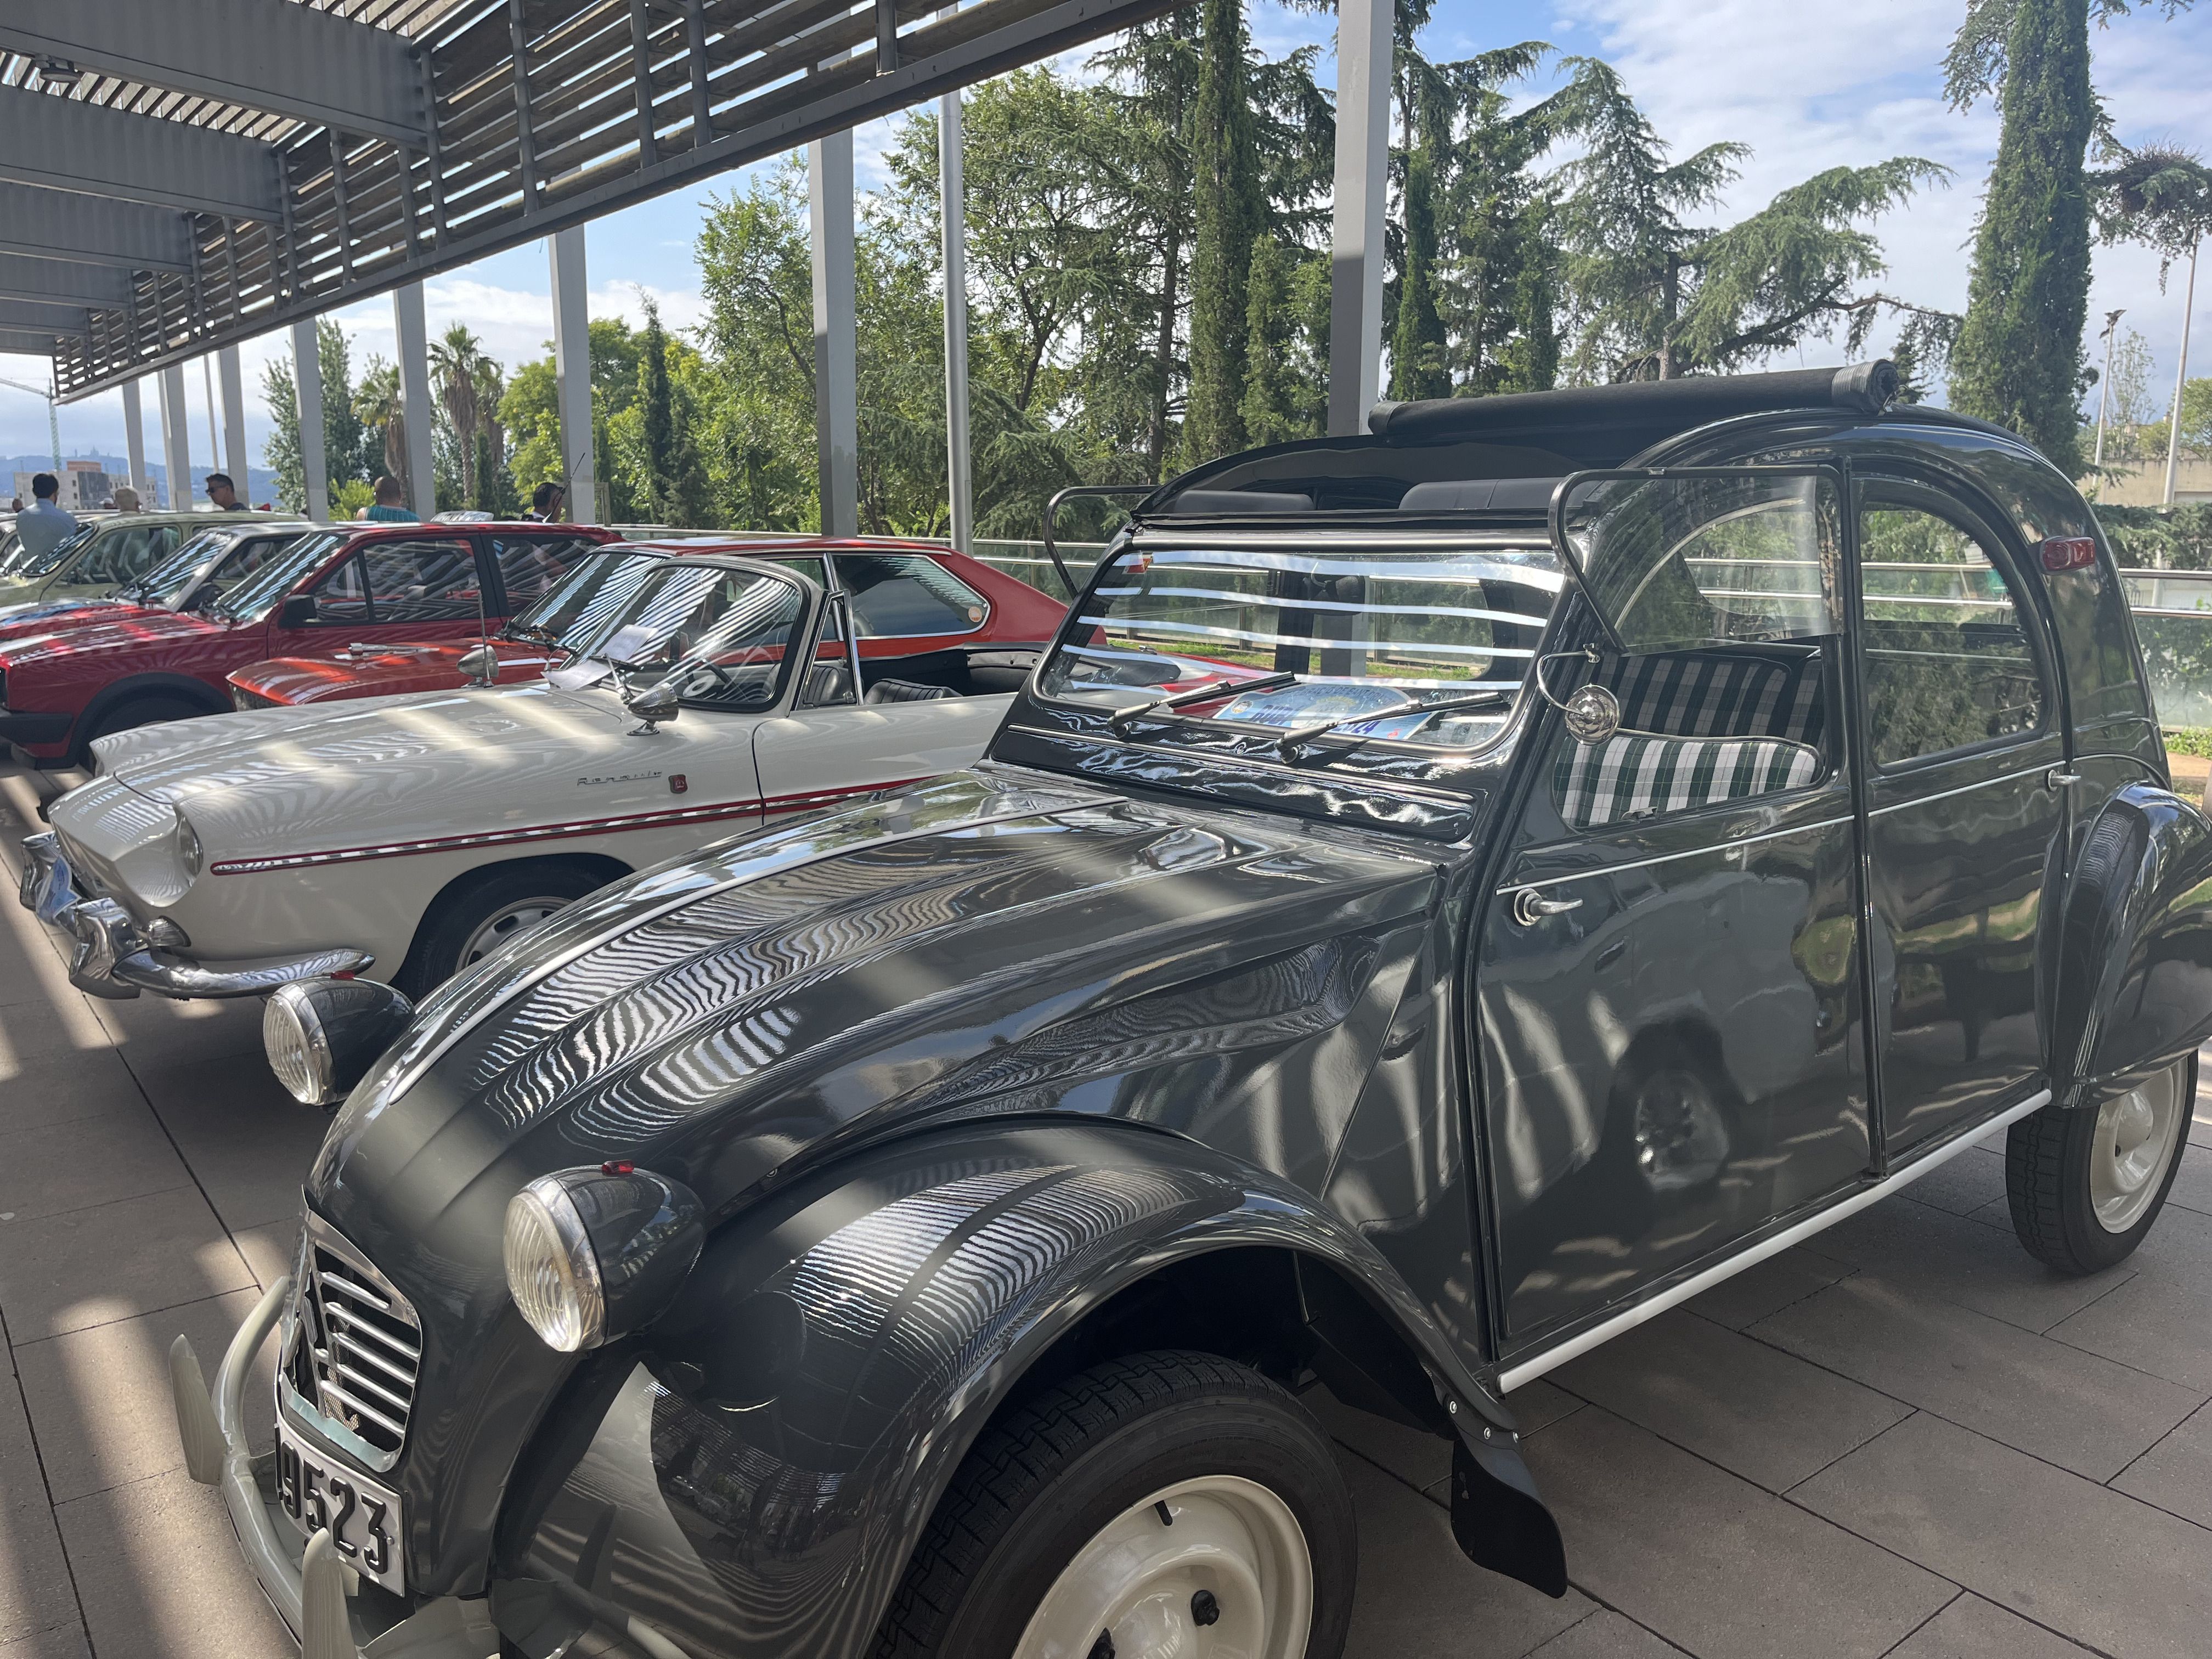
650 606
1361 711
590 625
62 552
261 593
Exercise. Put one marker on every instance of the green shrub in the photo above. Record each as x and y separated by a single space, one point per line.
2151 538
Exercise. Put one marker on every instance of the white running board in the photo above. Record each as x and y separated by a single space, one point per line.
1628 1318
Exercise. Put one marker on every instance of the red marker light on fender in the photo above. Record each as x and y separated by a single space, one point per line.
2069 553
616 1166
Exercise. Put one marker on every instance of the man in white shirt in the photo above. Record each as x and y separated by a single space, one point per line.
42 525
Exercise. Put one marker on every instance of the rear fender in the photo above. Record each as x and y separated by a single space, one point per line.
2134 970
801 1408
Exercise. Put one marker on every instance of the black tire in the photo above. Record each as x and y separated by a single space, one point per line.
135 712
1047 1479
2049 1158
440 947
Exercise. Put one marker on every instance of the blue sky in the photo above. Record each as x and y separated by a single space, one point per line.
1807 86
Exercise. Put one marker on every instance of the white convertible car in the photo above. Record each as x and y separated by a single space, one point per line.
225 856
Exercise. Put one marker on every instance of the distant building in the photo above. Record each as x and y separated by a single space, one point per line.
85 485
2143 483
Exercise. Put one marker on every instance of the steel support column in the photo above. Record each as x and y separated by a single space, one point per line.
414 341
134 443
952 212
307 381
229 371
176 440
837 391
572 374
1363 155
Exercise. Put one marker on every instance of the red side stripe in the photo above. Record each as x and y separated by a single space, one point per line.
400 849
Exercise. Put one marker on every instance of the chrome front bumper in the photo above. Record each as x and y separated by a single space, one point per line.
310 1588
113 959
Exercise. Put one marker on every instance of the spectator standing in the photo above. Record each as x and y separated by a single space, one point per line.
391 506
222 493
126 499
545 503
41 524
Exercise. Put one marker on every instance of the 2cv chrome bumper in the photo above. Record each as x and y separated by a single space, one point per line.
309 1587
114 958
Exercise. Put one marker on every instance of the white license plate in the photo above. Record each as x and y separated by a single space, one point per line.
318 1491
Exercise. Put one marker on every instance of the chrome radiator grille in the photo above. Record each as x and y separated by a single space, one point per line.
357 1347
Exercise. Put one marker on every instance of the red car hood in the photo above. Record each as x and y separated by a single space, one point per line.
383 672
104 630
19 622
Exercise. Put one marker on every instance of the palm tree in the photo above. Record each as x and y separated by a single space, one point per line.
376 402
456 357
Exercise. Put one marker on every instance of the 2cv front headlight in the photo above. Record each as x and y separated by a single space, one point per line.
592 1254
322 1035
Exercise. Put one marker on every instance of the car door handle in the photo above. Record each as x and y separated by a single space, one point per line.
2056 779
1528 909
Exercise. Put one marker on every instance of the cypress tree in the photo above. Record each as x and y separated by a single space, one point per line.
2019 359
1231 214
1267 413
1418 367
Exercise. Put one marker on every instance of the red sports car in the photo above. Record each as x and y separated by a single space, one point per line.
327 592
948 619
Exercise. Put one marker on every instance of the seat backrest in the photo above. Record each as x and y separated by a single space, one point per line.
1212 501
1709 694
1473 494
1628 777
827 685
907 691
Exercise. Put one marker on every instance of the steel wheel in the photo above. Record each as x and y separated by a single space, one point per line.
1212 1568
2136 1134
493 931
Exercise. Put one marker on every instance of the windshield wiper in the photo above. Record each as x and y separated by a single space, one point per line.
1403 706
1222 690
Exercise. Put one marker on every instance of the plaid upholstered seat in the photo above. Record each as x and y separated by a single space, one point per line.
1625 777
1734 725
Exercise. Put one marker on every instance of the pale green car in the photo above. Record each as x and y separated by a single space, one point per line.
101 557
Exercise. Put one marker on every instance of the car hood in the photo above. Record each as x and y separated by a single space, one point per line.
385 672
67 636
991 940
295 781
38 615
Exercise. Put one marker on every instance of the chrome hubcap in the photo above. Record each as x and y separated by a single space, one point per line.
495 929
1214 1568
2136 1133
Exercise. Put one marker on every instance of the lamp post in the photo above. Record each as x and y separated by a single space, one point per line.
2104 397
2181 376
53 420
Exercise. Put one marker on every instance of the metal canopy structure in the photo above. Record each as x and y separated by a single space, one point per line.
193 175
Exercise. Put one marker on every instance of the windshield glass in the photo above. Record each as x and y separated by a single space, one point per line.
174 573
26 564
1384 633
720 637
220 562
581 604
253 599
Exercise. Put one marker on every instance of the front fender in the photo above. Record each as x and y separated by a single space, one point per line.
753 1474
2134 983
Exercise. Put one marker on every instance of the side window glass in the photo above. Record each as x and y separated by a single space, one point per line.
1947 662
422 581
342 597
529 566
154 546
904 595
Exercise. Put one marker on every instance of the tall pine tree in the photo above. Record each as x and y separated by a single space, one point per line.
2018 359
1231 214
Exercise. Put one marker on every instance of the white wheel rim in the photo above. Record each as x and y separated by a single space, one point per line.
2136 1133
502 924
1140 1581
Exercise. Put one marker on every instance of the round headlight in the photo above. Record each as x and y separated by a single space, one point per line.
298 1053
323 1035
551 1268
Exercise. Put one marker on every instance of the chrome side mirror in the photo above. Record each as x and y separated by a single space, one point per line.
479 663
654 707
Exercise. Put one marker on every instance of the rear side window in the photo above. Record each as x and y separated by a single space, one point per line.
531 566
904 595
1948 663
402 582
126 554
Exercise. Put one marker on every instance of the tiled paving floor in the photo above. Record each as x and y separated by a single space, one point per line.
1908 1439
